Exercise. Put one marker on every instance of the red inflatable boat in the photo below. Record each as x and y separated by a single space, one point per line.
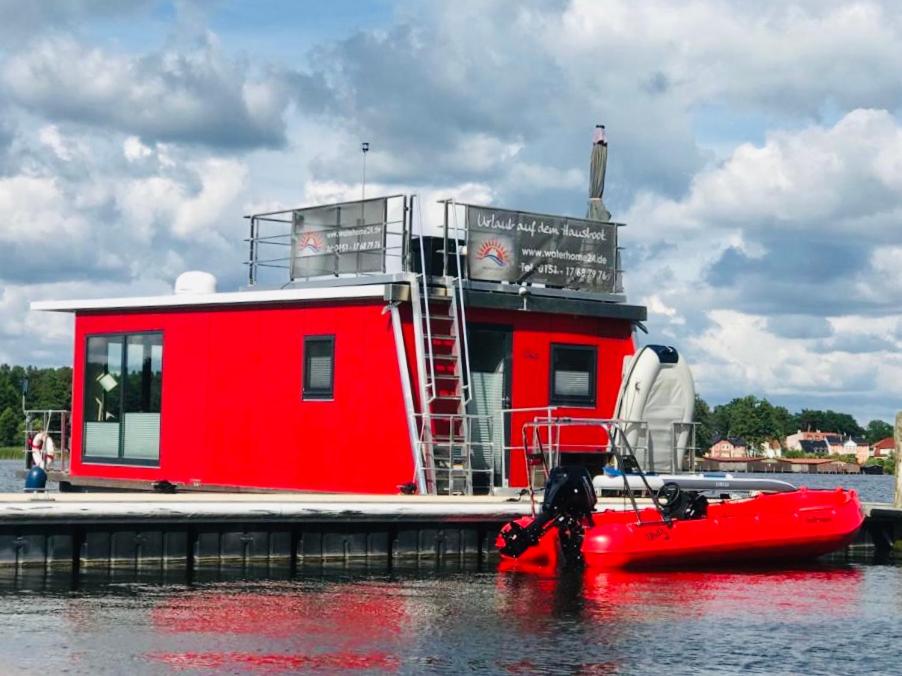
682 529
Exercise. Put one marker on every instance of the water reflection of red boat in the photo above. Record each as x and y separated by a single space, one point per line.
281 614
328 629
615 596
797 592
794 526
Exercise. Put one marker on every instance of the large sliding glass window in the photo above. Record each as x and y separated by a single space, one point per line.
123 396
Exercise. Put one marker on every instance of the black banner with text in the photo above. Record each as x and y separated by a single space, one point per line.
517 246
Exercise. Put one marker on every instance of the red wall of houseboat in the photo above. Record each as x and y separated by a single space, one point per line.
232 412
533 335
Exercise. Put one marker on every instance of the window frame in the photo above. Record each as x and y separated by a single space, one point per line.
588 401
120 459
309 393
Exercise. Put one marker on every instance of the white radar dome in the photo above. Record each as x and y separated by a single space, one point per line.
195 281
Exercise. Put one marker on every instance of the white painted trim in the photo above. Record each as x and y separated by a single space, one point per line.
408 398
348 508
214 299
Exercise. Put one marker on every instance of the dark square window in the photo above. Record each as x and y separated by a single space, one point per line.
573 375
319 367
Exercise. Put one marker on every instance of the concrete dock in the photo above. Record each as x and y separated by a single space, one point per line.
74 531
192 531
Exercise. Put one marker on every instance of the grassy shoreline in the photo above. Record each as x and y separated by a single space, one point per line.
11 452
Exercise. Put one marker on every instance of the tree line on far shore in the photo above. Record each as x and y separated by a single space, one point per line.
48 388
756 420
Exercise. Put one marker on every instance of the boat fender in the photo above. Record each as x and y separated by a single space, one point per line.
35 480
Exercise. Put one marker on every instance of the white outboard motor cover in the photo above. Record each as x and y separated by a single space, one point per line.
657 389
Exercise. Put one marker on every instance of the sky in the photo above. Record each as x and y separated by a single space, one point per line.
755 154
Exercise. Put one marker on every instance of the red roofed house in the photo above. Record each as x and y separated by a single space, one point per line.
884 448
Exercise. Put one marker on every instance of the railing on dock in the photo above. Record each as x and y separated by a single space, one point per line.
547 433
57 425
462 450
544 448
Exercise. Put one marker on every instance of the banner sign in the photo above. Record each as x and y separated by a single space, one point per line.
516 246
342 238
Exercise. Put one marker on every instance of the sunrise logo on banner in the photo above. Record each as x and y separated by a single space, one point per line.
492 256
311 244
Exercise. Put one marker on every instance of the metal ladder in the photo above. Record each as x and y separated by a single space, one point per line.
439 316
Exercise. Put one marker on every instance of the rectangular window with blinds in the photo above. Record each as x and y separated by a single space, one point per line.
123 398
319 367
573 369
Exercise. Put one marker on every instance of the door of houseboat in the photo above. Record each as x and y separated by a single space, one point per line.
490 372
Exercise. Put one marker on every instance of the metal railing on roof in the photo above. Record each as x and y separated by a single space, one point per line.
342 239
374 237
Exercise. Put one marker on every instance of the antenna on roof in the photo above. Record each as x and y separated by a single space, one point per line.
364 148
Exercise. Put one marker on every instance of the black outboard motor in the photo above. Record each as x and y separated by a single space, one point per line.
569 502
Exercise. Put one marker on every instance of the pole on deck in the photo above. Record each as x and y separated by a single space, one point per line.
897 434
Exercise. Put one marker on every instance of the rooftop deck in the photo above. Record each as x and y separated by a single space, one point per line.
388 235
364 248
387 287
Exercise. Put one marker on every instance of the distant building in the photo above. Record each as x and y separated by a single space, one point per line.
832 439
729 448
884 448
835 444
819 466
812 446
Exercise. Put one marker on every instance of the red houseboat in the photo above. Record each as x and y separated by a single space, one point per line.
370 352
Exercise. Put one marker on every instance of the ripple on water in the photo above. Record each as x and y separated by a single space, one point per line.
822 619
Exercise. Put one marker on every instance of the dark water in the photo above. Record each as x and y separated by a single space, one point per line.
833 619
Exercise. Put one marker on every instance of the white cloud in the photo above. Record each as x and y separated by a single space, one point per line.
36 210
221 184
50 136
134 150
739 346
194 95
789 58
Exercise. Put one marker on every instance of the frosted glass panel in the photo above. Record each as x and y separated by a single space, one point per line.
487 438
571 383
142 436
102 439
320 372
